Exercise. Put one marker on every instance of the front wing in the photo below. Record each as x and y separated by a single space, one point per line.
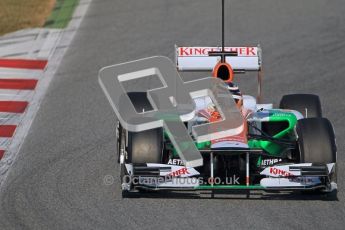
303 176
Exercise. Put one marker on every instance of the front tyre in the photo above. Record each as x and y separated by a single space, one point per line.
316 141
145 146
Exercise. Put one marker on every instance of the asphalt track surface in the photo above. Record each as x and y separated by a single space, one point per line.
57 181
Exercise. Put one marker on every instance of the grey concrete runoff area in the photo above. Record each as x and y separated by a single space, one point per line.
58 179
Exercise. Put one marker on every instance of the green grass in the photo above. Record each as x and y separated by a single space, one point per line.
61 14
20 14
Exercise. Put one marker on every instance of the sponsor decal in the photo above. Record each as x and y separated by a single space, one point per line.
179 172
290 182
304 180
280 172
270 161
203 51
283 170
175 170
175 162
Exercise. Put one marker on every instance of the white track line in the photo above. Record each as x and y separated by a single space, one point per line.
16 95
5 142
20 73
10 118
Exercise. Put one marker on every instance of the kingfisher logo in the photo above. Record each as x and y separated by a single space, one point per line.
179 172
280 172
203 51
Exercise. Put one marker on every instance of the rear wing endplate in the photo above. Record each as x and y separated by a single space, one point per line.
197 59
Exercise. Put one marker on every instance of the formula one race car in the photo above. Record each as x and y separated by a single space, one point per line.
287 148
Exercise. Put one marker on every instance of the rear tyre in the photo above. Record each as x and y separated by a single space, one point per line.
308 105
316 141
140 101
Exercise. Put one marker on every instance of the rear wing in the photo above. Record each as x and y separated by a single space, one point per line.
197 59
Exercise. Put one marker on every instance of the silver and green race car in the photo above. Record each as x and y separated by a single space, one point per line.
288 148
